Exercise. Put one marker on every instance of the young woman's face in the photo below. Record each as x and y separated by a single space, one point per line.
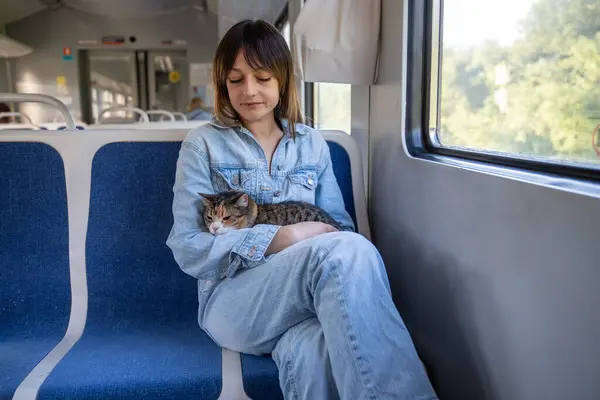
254 93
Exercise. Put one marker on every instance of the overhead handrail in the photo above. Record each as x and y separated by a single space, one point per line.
137 110
16 114
40 98
164 113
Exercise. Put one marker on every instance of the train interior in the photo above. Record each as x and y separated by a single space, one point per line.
464 136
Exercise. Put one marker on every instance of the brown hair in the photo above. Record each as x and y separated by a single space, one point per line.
263 47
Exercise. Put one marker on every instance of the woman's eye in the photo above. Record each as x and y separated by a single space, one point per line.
234 81
264 79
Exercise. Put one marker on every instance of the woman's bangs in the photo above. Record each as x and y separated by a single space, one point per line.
259 55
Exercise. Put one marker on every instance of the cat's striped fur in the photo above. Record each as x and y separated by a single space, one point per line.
231 210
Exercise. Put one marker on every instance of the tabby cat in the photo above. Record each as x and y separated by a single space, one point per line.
232 210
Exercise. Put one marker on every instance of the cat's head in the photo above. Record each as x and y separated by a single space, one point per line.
228 211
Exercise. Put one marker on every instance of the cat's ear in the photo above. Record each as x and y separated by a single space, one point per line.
207 199
242 201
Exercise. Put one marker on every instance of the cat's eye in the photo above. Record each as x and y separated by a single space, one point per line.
226 218
209 218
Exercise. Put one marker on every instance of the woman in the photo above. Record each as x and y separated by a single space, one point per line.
318 300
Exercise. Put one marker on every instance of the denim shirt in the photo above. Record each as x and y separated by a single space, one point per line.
215 158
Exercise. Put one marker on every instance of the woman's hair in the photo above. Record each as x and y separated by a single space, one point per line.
263 47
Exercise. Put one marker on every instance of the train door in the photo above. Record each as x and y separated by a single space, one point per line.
144 79
113 80
168 80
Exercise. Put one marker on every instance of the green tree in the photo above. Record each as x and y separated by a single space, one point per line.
554 72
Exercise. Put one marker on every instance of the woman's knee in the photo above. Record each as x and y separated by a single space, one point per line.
349 244
347 254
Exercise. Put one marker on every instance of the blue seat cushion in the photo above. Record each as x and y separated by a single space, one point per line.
35 296
142 339
177 363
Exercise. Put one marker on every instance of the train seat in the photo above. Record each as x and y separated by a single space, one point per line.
35 296
140 338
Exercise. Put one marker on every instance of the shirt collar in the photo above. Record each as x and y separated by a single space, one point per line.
300 128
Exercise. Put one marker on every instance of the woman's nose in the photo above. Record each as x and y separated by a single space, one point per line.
249 88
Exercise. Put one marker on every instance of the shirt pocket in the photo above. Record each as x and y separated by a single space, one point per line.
233 178
304 182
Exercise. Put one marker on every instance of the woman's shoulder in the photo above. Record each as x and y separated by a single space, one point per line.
309 137
209 135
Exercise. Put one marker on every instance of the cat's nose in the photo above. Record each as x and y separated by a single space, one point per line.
214 227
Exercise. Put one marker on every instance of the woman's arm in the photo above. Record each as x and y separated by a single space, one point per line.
198 252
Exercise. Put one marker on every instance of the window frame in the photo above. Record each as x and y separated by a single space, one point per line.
420 83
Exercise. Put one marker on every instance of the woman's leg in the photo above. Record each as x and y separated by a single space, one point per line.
339 278
303 362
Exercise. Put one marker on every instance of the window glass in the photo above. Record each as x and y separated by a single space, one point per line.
332 105
520 77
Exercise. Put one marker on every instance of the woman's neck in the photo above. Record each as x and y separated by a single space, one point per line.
263 129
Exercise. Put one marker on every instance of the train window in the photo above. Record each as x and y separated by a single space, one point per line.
332 106
107 98
520 79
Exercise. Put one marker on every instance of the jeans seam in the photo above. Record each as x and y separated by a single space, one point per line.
349 332
289 366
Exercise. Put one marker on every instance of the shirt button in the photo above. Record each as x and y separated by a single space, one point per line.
280 167
252 251
277 194
310 181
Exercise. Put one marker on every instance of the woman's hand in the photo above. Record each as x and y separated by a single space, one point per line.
292 234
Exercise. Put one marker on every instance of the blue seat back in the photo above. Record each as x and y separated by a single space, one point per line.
34 241
133 280
35 296
340 162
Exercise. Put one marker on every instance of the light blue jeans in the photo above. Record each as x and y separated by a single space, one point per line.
323 308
